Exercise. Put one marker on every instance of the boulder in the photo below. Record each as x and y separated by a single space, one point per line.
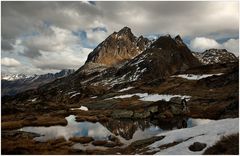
153 109
197 146
82 140
141 114
99 142
122 113
176 110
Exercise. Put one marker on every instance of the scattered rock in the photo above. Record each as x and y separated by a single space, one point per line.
57 141
110 144
153 109
197 146
141 114
122 113
99 142
82 140
145 142
86 118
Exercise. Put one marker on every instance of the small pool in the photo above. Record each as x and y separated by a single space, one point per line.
126 130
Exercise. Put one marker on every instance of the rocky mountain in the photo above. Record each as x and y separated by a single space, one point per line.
163 57
16 83
115 49
212 56
118 47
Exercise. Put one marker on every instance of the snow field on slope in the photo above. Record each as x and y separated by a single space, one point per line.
208 133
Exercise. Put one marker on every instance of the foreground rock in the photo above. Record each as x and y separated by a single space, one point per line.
82 140
197 146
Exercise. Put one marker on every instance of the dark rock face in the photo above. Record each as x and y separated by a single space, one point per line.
117 48
197 146
212 56
164 57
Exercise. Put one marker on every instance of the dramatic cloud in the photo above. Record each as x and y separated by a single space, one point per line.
201 44
232 45
10 62
96 36
41 34
61 60
50 39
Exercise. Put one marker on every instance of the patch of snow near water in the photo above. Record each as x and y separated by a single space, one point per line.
150 97
81 108
208 132
195 77
125 89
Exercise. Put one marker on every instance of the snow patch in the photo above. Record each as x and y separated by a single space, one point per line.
157 97
69 93
208 133
195 77
33 100
81 108
150 97
125 89
74 95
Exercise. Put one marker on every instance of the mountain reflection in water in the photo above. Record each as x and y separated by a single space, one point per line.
127 130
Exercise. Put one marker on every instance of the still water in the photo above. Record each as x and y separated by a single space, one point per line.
126 130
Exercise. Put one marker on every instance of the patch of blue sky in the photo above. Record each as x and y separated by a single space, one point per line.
99 29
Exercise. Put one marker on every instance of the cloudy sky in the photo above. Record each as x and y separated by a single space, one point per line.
41 37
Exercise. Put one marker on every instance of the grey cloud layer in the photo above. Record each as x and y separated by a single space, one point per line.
45 30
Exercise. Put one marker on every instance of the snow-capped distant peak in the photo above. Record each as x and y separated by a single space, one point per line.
12 77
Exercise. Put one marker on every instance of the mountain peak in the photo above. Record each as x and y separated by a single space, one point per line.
117 48
164 42
125 30
179 40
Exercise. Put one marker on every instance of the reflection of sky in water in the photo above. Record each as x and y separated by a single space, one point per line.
191 122
95 130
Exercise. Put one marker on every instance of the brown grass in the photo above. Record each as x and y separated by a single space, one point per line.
226 145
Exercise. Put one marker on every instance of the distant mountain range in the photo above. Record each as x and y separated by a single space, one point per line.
212 56
16 83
